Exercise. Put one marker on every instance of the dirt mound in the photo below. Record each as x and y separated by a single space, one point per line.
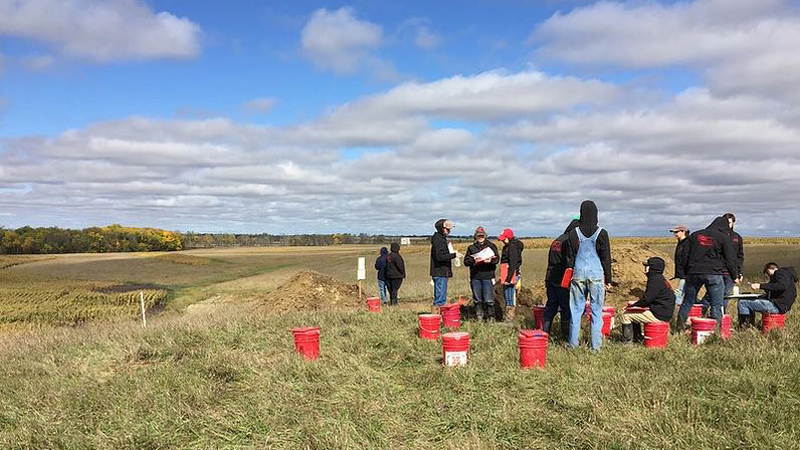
629 276
309 290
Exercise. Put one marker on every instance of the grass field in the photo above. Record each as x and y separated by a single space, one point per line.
224 376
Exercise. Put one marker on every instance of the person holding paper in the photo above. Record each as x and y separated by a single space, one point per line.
658 302
395 272
510 264
781 292
481 258
558 295
442 255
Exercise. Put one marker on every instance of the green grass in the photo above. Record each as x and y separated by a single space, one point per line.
232 381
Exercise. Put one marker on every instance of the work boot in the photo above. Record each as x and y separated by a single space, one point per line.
546 326
638 336
744 322
479 312
489 313
510 311
627 333
436 310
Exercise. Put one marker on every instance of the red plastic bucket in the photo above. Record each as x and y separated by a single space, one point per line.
696 311
702 329
455 348
608 320
429 326
725 327
451 315
656 334
538 317
306 341
772 321
532 348
374 304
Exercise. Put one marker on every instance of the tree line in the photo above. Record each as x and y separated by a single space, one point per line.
113 238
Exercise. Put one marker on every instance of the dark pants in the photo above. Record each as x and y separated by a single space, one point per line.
558 299
393 284
482 292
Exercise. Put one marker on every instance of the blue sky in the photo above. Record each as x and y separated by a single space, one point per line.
381 116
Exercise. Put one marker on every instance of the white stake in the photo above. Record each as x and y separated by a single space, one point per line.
144 318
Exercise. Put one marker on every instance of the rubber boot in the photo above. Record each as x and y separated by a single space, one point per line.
546 326
489 313
627 333
638 337
479 312
744 322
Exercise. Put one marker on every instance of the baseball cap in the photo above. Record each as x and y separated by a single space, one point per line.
480 232
506 234
678 228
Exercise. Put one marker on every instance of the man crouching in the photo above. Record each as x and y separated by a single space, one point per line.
658 299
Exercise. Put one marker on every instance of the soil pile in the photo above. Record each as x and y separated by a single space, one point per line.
629 277
309 290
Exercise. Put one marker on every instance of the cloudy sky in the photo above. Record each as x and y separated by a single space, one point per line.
381 117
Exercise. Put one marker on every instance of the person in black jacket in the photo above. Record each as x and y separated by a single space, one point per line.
658 298
512 257
380 266
395 272
681 233
730 279
781 292
481 274
557 296
710 256
442 255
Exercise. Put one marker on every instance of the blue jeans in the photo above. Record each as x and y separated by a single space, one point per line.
508 292
439 291
679 291
728 282
557 299
750 307
714 285
578 290
482 292
382 291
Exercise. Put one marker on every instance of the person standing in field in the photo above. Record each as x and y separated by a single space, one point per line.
710 256
442 255
589 254
781 293
481 275
658 298
681 233
512 258
730 279
395 272
380 266
557 296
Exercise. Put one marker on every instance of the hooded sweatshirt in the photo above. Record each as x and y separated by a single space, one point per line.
658 295
782 289
681 256
556 262
484 270
738 247
380 264
711 251
588 226
512 255
395 266
441 258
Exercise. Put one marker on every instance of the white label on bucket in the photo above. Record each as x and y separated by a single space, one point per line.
702 336
452 359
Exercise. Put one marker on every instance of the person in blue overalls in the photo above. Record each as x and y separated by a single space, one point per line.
589 254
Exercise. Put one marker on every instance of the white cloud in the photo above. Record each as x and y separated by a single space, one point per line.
339 41
426 39
101 31
261 105
37 63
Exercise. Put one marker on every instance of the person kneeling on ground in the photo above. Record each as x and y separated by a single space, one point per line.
658 298
395 272
781 292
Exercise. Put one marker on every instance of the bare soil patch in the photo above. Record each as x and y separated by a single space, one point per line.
309 290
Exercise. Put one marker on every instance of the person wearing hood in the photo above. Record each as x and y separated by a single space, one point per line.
658 298
557 296
710 255
781 292
481 274
380 266
589 255
681 233
442 255
730 279
512 257
395 272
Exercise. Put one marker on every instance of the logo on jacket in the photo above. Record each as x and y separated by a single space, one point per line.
735 240
705 241
555 247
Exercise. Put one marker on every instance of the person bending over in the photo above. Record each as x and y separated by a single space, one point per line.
781 292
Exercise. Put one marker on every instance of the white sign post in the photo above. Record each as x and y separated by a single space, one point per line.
144 318
361 273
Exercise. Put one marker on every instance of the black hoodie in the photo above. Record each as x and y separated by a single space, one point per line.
782 289
441 258
484 270
556 263
395 266
588 227
658 296
681 257
711 251
738 247
512 255
380 264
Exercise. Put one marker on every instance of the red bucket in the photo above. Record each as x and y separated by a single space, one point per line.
455 348
696 311
725 327
772 321
452 315
656 334
306 341
429 326
538 317
374 304
532 348
702 329
608 321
